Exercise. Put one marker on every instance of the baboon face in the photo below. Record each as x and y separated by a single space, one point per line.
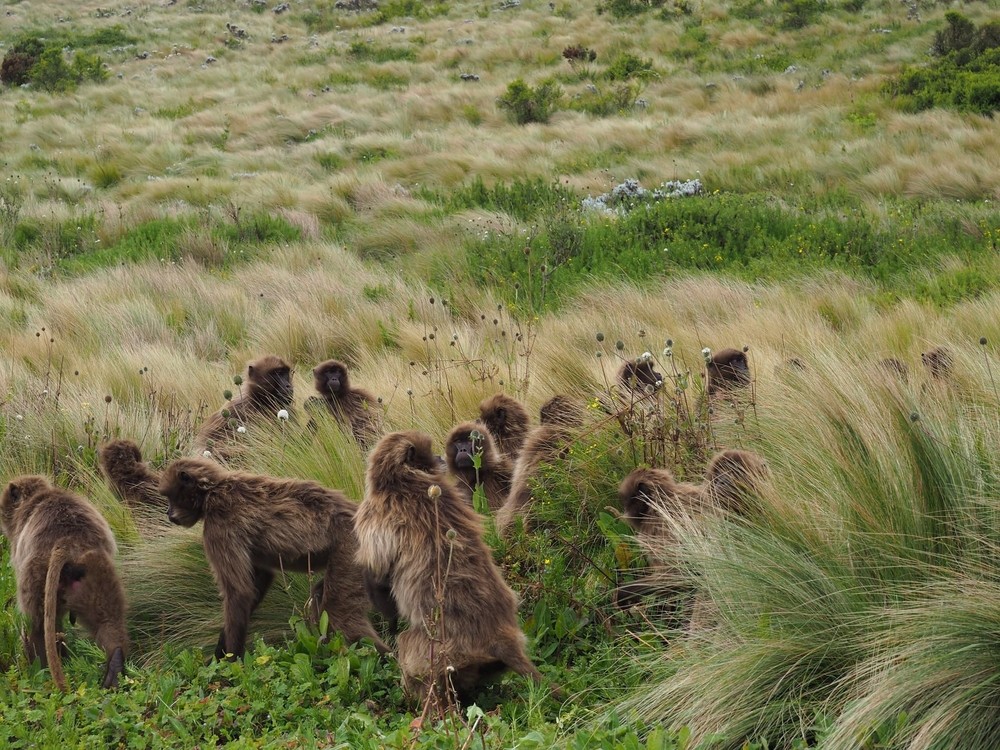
728 369
185 483
16 495
271 378
463 446
411 449
331 378
638 375
636 494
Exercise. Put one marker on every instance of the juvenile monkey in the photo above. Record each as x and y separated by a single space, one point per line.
639 377
938 362
62 552
354 408
508 422
267 390
465 442
732 480
417 536
255 525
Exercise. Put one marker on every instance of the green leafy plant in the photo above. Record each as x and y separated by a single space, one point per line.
525 104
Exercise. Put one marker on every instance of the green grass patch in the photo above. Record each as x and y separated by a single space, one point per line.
370 52
751 236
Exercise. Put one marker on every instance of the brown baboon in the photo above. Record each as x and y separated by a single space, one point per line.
268 389
354 408
732 479
894 368
938 362
561 410
639 377
417 536
508 422
546 443
465 442
727 370
256 525
62 551
652 499
129 476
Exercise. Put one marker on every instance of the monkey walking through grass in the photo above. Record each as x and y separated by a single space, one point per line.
62 551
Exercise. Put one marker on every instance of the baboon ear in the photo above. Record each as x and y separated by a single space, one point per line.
502 414
411 453
14 491
249 369
315 371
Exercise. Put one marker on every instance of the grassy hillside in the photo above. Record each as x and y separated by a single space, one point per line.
325 182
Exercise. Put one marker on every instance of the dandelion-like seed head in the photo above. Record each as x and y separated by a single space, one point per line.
434 491
598 355
227 394
107 399
282 415
206 453
454 337
982 341
600 336
648 389
451 535
238 380
646 356
668 352
619 345
914 417
659 383
19 417
475 435
225 413
409 391
707 354
669 343
242 429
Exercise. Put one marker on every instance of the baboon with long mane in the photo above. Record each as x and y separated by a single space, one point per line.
508 422
938 362
267 390
62 551
464 443
420 538
256 525
354 408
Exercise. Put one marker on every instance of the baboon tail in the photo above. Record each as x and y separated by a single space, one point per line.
57 560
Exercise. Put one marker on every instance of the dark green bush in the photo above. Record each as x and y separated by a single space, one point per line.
627 8
525 104
965 75
626 66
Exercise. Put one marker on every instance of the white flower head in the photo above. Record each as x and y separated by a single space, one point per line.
19 417
659 383
207 454
668 352
242 428
646 356
707 354
283 415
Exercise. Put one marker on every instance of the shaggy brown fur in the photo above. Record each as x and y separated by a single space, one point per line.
728 370
62 551
650 497
494 472
561 410
428 547
267 390
508 422
938 362
640 378
256 525
354 408
129 476
732 479
546 444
